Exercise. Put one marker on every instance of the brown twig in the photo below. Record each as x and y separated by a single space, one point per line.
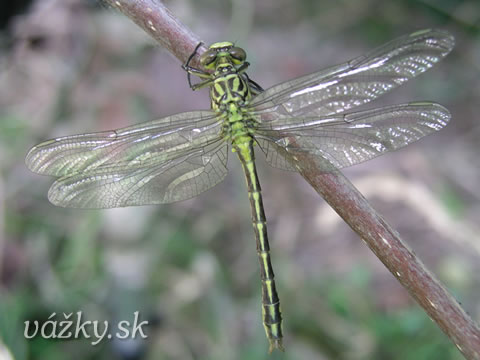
399 259
340 194
159 23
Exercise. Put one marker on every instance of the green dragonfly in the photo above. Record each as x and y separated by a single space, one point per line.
180 156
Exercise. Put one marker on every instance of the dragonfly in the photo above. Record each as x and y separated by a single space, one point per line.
180 156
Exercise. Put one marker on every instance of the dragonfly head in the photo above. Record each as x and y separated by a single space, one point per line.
226 51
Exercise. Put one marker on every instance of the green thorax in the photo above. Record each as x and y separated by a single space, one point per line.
228 88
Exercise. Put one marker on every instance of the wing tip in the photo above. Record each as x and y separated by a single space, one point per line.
54 195
442 114
35 159
60 194
437 38
31 160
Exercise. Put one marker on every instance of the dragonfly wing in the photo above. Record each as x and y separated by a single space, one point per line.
273 154
342 140
162 161
359 81
178 179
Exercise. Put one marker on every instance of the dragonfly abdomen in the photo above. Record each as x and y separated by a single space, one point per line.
229 94
271 314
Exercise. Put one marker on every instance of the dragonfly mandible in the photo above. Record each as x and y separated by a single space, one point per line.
180 156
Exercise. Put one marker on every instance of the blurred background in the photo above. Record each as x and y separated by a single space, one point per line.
190 268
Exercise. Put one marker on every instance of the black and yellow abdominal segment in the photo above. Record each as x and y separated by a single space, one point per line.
272 317
180 156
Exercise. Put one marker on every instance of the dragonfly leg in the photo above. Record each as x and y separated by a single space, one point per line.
201 74
254 87
191 70
193 53
201 84
243 67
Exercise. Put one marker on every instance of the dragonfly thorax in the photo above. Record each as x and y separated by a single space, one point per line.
228 88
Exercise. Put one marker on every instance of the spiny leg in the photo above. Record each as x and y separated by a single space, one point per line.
200 73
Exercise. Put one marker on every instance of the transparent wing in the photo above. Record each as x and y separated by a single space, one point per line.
342 140
359 81
161 161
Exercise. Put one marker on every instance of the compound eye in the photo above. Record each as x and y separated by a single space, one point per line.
208 57
238 54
